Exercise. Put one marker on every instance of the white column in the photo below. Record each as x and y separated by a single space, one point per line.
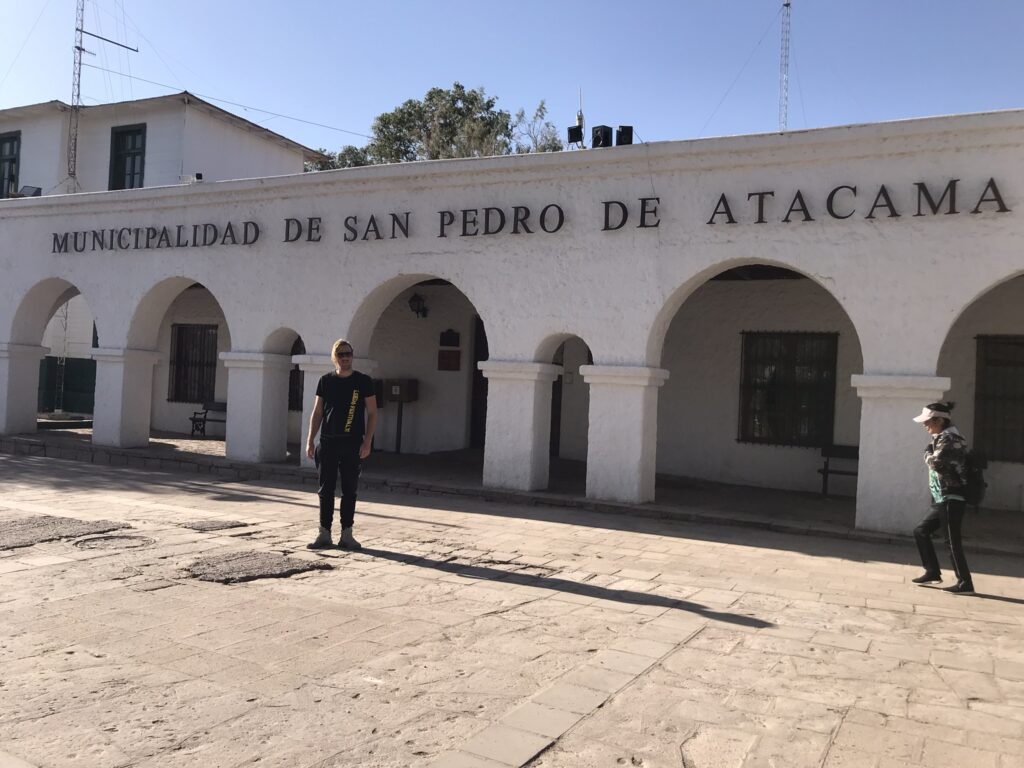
313 367
892 481
622 440
517 444
257 418
124 396
19 387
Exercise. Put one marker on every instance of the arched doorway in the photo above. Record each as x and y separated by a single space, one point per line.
983 356
50 374
183 323
426 342
570 416
759 359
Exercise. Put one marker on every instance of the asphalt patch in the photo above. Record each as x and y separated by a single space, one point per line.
205 526
29 531
248 566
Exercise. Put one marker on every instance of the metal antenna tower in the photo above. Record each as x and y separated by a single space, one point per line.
62 361
76 90
76 98
784 69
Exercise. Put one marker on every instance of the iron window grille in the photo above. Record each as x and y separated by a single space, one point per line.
999 398
10 147
127 156
296 379
788 388
193 363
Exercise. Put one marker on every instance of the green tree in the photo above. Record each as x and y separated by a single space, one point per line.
445 124
346 157
537 135
448 123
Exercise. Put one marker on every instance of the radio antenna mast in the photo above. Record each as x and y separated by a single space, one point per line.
76 91
784 69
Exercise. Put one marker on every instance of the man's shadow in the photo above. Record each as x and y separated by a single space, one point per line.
627 596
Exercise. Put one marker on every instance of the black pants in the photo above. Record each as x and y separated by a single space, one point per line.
336 458
947 515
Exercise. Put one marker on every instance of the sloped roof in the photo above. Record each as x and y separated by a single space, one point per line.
185 98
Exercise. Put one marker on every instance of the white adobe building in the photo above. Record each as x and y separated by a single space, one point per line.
717 309
152 142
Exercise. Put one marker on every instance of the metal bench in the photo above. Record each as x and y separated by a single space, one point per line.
842 452
214 411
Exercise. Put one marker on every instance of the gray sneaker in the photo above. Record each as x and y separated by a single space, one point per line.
323 540
347 540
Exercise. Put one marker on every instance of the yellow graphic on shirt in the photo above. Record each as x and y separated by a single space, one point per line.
352 411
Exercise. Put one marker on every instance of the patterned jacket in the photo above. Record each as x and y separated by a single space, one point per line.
946 457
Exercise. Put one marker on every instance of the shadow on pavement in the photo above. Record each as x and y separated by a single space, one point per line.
70 475
631 597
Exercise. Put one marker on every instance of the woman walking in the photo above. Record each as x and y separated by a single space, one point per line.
945 457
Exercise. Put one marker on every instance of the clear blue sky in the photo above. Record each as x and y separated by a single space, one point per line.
673 70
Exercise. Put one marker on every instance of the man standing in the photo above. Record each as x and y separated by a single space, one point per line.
945 457
347 409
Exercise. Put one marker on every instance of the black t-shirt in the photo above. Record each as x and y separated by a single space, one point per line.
344 404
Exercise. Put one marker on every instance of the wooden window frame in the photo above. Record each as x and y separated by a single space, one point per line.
118 172
12 162
998 402
193 369
799 409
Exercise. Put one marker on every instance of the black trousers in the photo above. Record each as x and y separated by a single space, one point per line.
334 459
948 516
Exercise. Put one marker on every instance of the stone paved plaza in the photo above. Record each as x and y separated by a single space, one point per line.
477 634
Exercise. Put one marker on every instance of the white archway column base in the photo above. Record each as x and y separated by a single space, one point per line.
313 367
622 439
257 418
517 444
124 396
892 481
19 387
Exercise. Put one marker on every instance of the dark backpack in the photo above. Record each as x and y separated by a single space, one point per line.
975 485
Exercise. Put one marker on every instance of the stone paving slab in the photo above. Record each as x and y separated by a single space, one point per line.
483 634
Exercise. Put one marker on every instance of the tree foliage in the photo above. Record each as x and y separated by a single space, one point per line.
448 123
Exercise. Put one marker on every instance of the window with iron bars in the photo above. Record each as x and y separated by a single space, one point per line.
788 388
296 379
10 146
193 363
127 156
999 398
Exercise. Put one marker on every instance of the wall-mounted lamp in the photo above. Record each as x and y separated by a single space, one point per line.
418 305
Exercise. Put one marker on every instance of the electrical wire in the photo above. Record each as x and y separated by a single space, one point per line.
742 70
233 103
25 42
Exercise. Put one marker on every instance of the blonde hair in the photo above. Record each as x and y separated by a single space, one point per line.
337 346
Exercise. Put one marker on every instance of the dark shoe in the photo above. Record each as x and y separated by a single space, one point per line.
348 541
322 541
961 588
927 578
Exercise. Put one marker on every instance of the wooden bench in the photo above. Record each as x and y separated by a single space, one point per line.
830 452
200 419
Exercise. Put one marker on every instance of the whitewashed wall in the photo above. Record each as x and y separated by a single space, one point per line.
180 139
698 407
43 155
405 347
196 306
619 290
220 150
162 164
